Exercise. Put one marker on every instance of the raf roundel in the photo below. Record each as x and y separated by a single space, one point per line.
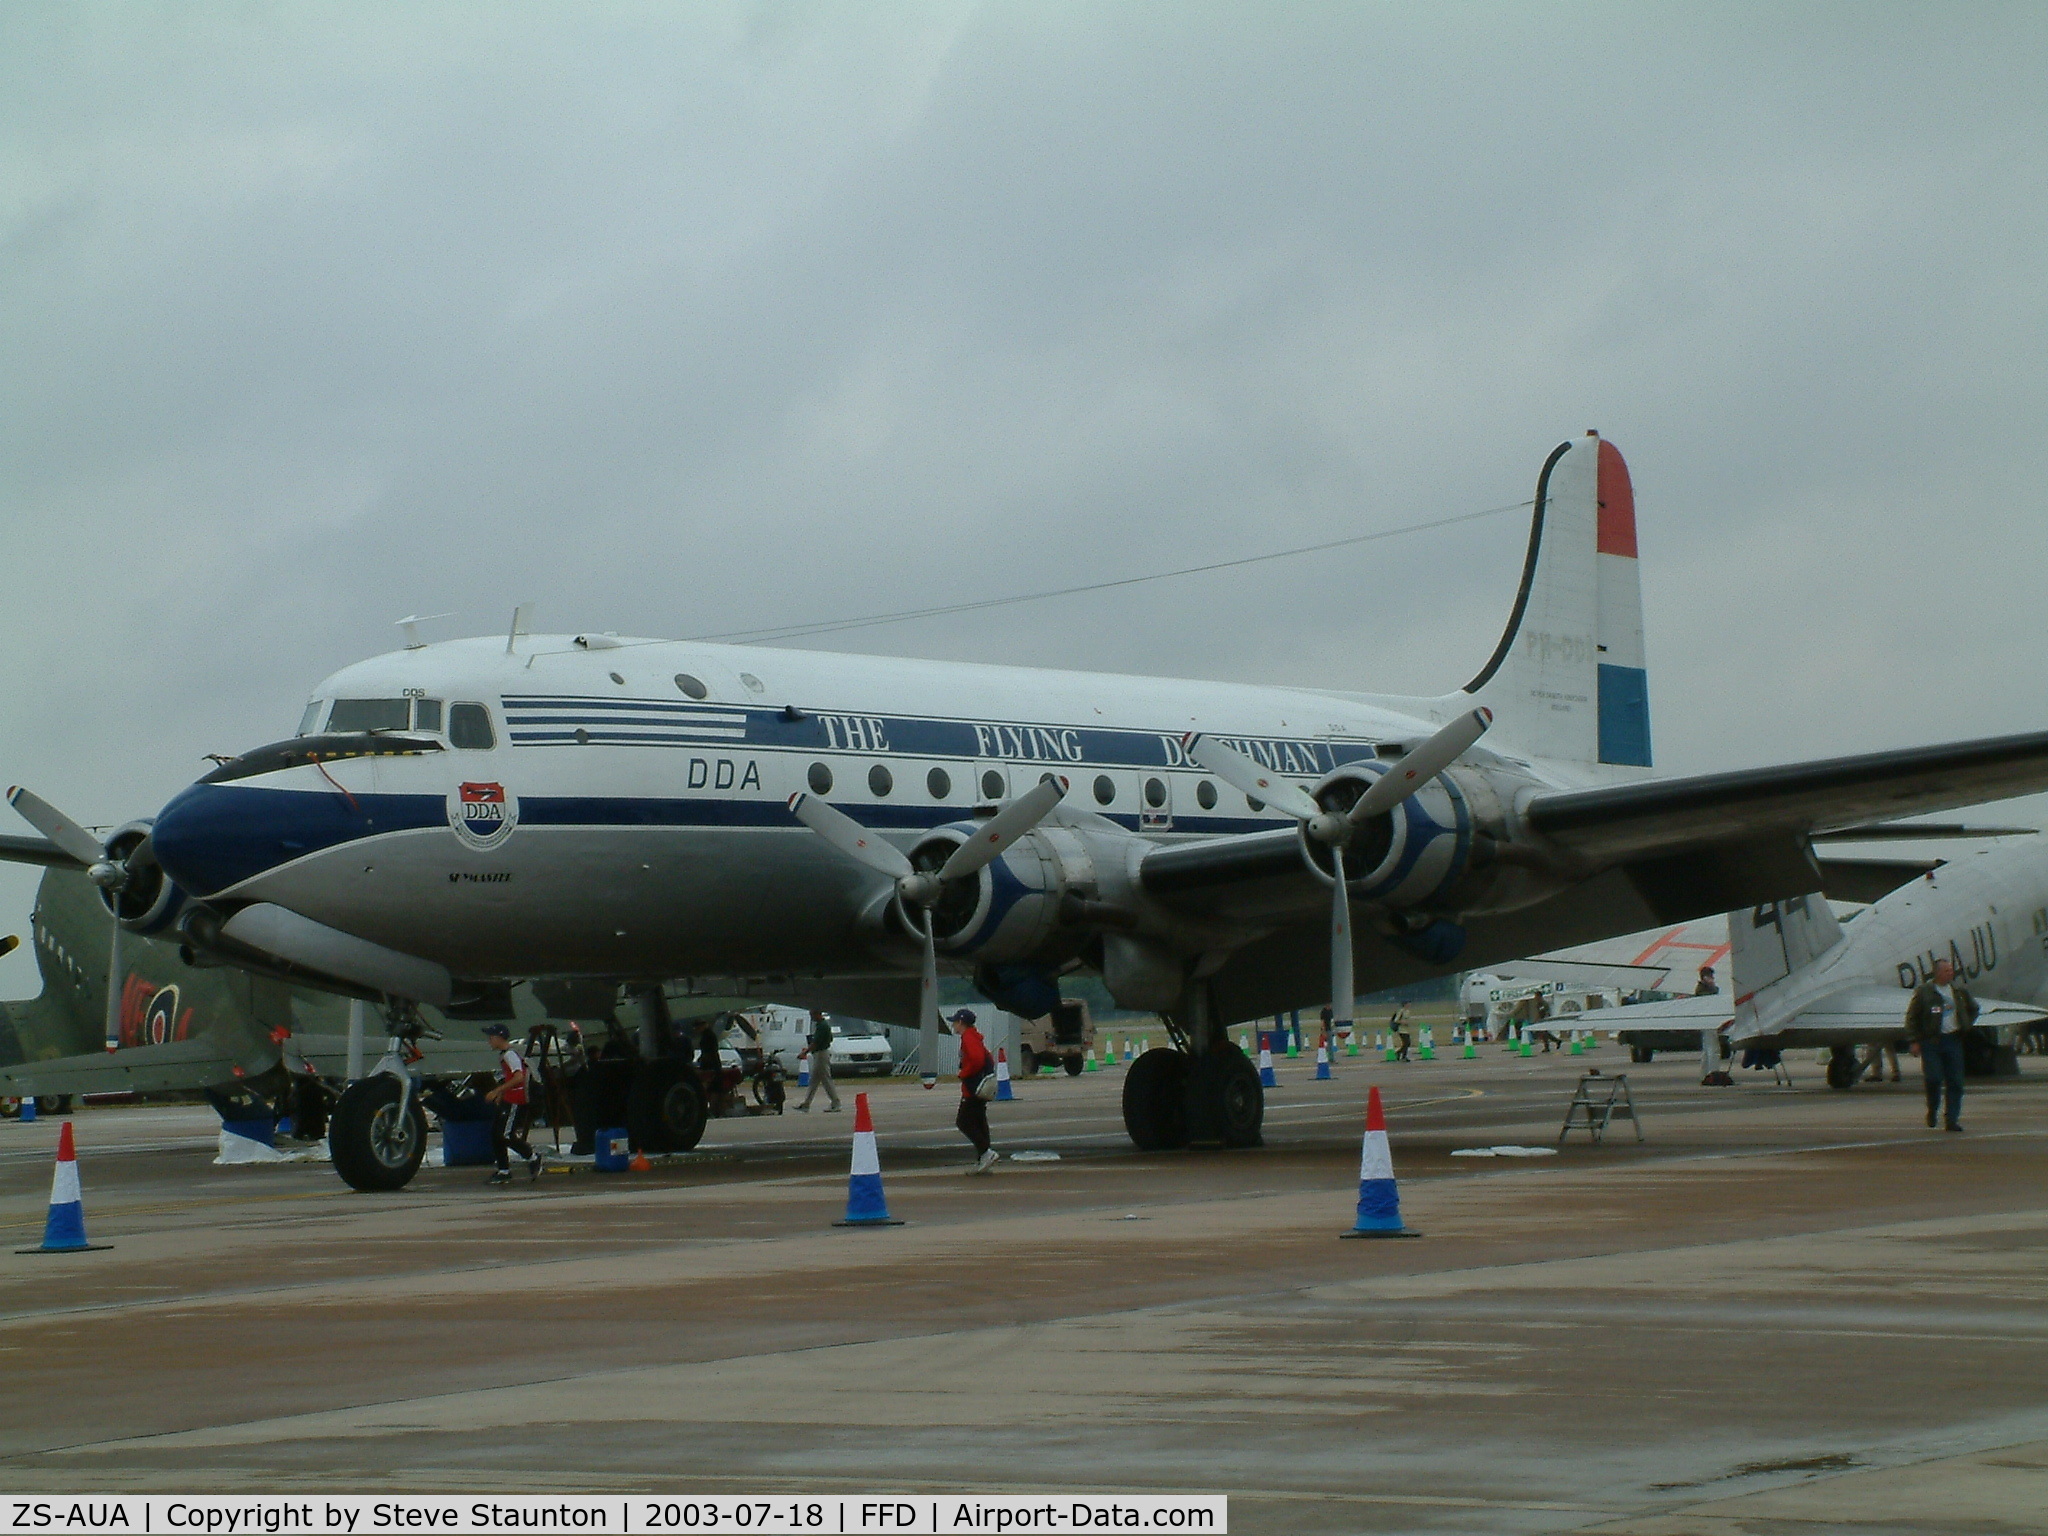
483 815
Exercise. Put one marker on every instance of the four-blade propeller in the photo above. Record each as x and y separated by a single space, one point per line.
920 889
1334 829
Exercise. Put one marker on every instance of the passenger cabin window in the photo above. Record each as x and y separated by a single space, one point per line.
310 720
939 782
820 779
991 785
1105 789
1205 795
351 716
469 726
692 686
880 781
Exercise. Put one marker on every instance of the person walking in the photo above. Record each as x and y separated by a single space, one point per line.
1939 1016
1402 1025
508 1093
819 1049
1874 1057
976 1066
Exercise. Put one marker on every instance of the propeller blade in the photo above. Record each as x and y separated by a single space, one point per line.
1420 766
928 1009
1247 777
56 826
1342 990
1003 829
849 836
114 989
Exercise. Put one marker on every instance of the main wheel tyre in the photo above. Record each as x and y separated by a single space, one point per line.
665 1111
1842 1068
1074 1065
373 1148
1226 1104
1155 1101
1641 1054
53 1103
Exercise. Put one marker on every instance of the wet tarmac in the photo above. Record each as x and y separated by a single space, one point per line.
1784 1310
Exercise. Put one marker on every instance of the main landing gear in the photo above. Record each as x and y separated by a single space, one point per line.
1202 1091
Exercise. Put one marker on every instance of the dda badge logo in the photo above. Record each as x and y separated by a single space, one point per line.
483 815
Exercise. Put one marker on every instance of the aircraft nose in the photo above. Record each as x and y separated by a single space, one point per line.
212 837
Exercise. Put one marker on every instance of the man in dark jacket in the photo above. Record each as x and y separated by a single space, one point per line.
1940 1014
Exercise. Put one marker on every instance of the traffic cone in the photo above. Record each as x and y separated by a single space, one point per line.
1379 1200
1351 1043
865 1204
1244 1043
1528 1047
64 1229
1576 1049
1003 1090
1266 1079
1092 1064
1293 1044
1428 1051
1127 1048
1471 1051
1322 1063
640 1163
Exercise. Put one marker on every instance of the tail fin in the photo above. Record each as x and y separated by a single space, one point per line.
1776 940
1567 680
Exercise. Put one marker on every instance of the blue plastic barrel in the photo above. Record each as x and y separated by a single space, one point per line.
614 1151
465 1143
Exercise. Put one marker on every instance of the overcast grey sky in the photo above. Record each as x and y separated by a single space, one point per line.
682 319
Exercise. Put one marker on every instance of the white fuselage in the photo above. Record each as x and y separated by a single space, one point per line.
630 814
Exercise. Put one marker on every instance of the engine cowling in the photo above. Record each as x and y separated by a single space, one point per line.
1010 908
147 901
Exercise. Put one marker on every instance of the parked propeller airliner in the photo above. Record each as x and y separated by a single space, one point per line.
834 829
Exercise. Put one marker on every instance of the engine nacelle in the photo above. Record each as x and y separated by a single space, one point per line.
147 902
1010 908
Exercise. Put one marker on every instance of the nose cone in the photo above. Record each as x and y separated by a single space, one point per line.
213 838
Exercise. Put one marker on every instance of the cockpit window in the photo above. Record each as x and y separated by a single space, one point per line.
311 717
350 715
426 714
469 726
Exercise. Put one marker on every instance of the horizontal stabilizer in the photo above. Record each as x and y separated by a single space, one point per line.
176 1064
1871 1012
1682 1013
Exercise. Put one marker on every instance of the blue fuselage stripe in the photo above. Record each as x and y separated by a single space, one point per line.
1624 715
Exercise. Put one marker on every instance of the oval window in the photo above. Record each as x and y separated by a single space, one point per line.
754 684
618 679
939 782
1205 795
1155 793
880 780
991 785
691 686
821 779
1105 789
1255 802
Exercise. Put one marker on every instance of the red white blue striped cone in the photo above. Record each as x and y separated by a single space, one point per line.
64 1231
1379 1201
1003 1089
1322 1063
1266 1079
865 1205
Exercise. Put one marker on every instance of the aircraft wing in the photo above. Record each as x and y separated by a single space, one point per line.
178 1064
1622 823
1859 1013
1679 1013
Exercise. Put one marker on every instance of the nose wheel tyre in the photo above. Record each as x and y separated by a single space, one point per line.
375 1148
1226 1105
665 1110
1155 1101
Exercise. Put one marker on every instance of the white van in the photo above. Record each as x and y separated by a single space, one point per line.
858 1047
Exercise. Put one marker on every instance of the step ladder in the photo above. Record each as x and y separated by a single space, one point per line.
1599 1102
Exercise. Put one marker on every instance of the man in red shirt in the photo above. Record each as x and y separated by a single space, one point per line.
508 1125
976 1065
